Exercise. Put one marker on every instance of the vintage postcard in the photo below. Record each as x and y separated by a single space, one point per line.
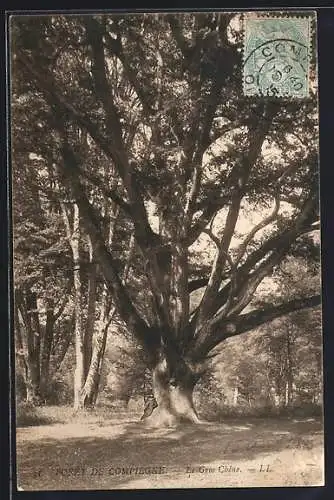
166 249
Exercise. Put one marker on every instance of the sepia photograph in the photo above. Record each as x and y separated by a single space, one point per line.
167 322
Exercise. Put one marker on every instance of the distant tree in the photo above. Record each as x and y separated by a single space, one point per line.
160 99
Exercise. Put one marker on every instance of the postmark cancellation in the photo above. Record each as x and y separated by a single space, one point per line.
277 53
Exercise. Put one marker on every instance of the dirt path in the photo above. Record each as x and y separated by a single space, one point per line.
124 454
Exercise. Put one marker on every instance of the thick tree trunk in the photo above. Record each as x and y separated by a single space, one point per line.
174 398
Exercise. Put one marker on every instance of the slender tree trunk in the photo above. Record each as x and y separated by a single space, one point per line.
63 345
20 350
289 369
34 335
30 318
173 395
34 348
79 374
46 349
274 397
90 390
91 306
73 235
33 373
235 395
319 389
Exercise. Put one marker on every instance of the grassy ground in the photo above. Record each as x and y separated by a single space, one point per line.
101 450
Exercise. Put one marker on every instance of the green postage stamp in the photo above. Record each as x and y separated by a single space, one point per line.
276 56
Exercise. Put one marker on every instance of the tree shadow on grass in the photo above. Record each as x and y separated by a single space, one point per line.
134 445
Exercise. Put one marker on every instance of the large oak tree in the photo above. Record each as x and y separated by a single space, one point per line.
159 100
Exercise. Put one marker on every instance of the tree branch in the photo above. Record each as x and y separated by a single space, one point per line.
261 225
196 284
253 319
102 87
303 223
247 281
278 242
256 139
246 292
